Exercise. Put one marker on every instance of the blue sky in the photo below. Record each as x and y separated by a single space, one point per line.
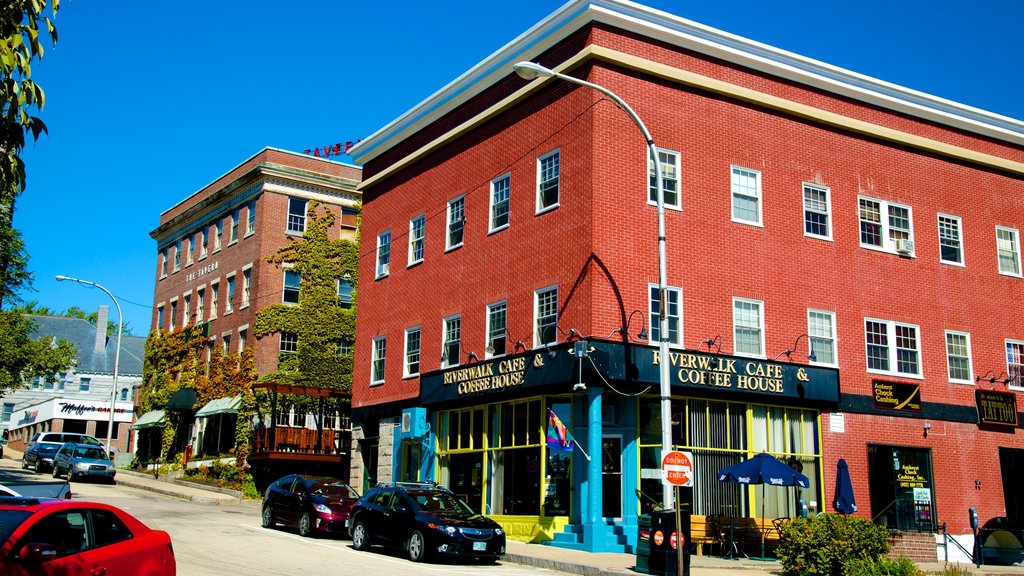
148 104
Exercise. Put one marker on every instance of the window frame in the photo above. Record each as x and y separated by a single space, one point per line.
174 312
1015 245
1019 344
495 204
959 238
893 349
652 289
492 309
827 214
734 192
760 327
290 337
452 225
541 207
214 298
451 324
537 327
676 165
233 230
417 241
295 224
949 356
246 286
407 362
177 255
346 304
229 295
378 360
218 238
200 303
286 289
383 259
833 338
250 219
888 244
163 264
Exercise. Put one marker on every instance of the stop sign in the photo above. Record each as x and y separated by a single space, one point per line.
677 468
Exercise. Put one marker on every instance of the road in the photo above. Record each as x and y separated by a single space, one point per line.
229 541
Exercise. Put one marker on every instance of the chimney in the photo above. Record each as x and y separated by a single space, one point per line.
101 328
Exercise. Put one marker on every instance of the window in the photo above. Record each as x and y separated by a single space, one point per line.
124 394
958 356
296 216
1008 245
84 384
292 280
229 301
456 222
383 254
452 346
200 303
174 313
233 234
8 410
668 160
412 351
417 231
226 338
548 173
817 212
250 227
204 242
344 348
160 317
243 337
214 294
186 315
218 235
349 217
246 286
188 250
177 255
546 319
672 314
747 325
380 348
886 226
1015 362
497 319
821 330
887 340
746 196
950 251
163 262
289 342
501 188
345 292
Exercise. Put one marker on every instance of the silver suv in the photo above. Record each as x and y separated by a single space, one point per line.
63 437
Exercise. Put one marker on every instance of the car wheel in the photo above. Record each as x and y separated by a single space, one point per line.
305 525
268 517
56 472
24 465
360 539
417 547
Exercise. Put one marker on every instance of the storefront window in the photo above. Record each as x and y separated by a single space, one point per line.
901 487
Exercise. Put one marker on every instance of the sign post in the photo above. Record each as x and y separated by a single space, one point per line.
677 471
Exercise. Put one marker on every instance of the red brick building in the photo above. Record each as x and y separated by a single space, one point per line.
843 260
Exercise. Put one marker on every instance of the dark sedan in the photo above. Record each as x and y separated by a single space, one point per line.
425 520
312 504
40 456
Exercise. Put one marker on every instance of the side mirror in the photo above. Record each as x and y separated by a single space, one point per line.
37 552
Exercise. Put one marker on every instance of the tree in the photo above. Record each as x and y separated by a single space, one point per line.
22 357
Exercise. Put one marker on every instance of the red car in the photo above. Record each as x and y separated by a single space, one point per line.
57 537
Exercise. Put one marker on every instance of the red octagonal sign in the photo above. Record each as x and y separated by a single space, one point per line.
677 468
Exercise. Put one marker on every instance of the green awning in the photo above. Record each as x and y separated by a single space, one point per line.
151 419
220 406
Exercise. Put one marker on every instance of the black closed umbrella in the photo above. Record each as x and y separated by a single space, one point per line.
844 502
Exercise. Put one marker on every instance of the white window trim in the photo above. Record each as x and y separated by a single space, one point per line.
541 209
678 166
378 271
288 214
165 264
490 205
213 312
1005 343
970 358
171 308
234 215
222 335
374 358
760 312
654 321
250 222
200 303
487 328
828 209
448 363
1016 238
405 355
448 224
760 197
246 300
286 268
835 338
244 328
536 315
891 337
229 305
887 243
412 260
960 229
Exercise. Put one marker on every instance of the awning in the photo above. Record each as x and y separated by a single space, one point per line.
220 406
184 399
153 418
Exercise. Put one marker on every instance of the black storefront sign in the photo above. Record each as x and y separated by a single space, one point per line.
500 378
998 408
900 396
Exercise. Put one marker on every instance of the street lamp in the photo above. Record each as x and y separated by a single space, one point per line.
117 351
531 70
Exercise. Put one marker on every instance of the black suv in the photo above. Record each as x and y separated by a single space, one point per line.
425 519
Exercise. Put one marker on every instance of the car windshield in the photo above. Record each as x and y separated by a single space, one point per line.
91 440
9 522
442 503
333 490
89 452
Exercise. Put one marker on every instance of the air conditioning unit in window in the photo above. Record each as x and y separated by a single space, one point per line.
385 269
905 246
414 423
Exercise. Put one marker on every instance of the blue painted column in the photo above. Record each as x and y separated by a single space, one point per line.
593 538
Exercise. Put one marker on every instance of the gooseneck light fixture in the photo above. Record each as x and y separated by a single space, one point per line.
532 70
789 351
117 351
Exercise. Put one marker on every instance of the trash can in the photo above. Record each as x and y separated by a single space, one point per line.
643 543
664 540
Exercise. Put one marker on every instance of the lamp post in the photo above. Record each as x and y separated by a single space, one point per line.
117 351
531 70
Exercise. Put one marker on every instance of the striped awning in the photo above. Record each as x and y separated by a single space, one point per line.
220 406
151 419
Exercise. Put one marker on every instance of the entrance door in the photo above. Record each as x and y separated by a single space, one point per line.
611 476
1011 465
901 487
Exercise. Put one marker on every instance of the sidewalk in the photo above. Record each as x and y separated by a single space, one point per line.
539 555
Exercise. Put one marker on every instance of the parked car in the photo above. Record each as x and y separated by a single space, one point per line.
83 461
35 489
63 438
40 537
40 456
426 520
313 504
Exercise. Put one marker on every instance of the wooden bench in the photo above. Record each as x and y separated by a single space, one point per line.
714 530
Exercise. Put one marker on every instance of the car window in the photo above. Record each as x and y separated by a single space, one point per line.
9 522
382 498
108 528
89 452
47 449
65 531
333 490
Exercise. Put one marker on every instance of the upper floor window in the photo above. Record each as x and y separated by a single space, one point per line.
546 316
233 235
189 241
417 233
200 303
159 317
8 410
950 250
817 211
214 299
349 217
187 315
380 348
218 234
174 314
124 394
668 161
958 356
246 286
886 226
226 341
1015 362
296 215
1008 244
746 195
451 348
748 326
892 347
673 314
548 175
821 331
251 222
345 292
412 351
501 190
497 318
163 262
229 300
243 337
383 254
292 281
204 245
84 384
456 222
177 255
289 342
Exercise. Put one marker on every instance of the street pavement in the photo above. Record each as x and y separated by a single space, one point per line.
539 555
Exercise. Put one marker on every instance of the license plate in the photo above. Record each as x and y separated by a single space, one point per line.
479 546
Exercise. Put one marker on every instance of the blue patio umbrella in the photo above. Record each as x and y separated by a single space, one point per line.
844 502
763 469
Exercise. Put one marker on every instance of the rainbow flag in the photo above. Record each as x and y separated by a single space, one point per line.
559 437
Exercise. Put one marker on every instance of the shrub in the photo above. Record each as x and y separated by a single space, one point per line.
883 566
822 544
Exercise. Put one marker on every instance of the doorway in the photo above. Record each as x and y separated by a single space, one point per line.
611 477
901 487
1011 466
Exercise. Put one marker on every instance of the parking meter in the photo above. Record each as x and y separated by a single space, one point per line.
974 518
973 513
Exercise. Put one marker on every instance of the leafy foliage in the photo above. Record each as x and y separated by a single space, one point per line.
823 544
883 566
22 357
